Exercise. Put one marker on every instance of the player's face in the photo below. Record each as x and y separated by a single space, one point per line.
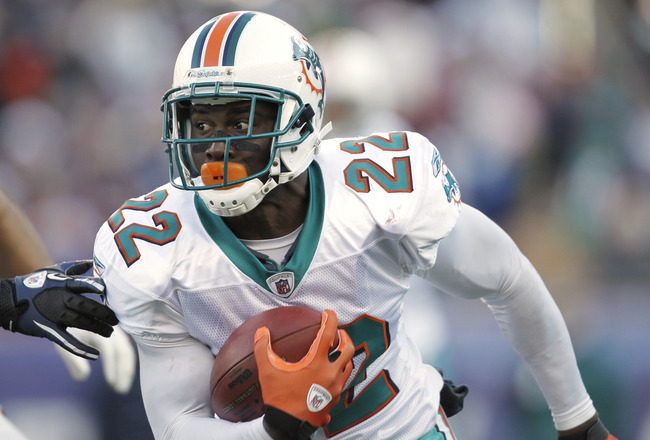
233 119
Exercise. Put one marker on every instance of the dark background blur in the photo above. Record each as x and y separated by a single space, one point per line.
540 108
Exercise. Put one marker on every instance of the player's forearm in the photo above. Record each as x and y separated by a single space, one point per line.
479 260
189 427
21 249
180 410
530 319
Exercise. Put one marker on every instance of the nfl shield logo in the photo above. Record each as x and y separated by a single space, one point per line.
317 401
317 398
281 284
35 280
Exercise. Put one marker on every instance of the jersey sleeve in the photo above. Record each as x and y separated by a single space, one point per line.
478 260
436 206
400 180
137 253
181 408
140 292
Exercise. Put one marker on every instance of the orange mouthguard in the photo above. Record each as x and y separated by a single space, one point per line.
212 173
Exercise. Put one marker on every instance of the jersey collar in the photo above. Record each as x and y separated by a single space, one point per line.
305 247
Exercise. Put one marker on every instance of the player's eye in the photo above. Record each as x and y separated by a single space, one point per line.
241 126
201 127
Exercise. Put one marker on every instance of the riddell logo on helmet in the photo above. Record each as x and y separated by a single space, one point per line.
205 73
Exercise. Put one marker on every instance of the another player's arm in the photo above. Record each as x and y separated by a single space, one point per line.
47 307
479 260
21 249
46 302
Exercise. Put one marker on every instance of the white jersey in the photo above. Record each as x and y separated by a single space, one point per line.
378 207
381 209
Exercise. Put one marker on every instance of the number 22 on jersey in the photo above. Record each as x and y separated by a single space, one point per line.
372 340
167 224
359 170
165 230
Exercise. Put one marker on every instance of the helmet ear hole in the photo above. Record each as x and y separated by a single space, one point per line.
306 115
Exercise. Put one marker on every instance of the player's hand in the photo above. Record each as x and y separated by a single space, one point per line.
592 429
299 396
452 396
48 301
116 353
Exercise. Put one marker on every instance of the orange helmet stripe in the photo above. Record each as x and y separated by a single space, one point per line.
215 41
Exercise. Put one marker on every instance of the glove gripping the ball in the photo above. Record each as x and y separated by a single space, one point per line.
299 396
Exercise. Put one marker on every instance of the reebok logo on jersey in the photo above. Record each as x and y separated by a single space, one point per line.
317 398
450 185
99 266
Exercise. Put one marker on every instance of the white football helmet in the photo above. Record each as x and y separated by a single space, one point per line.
256 57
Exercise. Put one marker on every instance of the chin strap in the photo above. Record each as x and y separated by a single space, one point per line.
277 163
246 201
321 134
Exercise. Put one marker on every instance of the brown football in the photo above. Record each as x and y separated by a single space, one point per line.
234 384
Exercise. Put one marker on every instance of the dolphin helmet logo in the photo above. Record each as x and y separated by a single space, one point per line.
311 66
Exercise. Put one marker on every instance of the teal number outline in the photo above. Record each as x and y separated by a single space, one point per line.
399 181
166 227
373 338
396 141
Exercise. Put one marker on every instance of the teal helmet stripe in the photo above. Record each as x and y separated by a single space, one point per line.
233 39
200 42
206 39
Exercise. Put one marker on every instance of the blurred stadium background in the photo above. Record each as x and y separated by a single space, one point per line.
540 107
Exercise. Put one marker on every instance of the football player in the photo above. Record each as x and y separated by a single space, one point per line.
261 212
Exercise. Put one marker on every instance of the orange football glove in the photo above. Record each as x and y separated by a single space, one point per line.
308 389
